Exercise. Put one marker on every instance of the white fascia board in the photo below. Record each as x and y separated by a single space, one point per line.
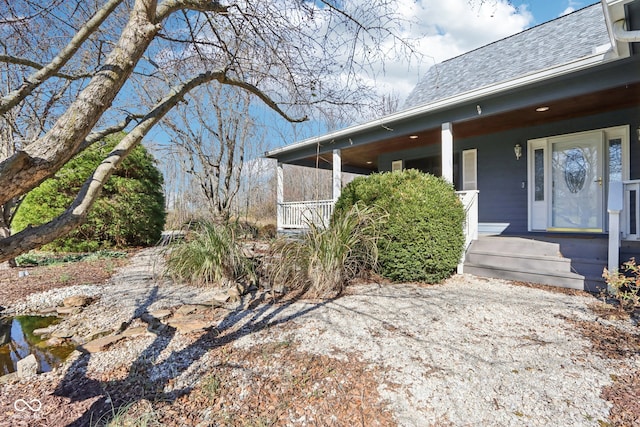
446 103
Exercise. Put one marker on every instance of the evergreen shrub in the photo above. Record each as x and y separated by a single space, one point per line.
422 239
129 212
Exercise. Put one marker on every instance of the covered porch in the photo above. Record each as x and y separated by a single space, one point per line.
555 151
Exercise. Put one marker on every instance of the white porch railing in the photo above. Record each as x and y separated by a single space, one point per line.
469 200
631 210
623 207
298 215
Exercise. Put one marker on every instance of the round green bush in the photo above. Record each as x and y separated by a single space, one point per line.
129 212
422 238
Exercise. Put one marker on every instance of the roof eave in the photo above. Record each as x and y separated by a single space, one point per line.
599 58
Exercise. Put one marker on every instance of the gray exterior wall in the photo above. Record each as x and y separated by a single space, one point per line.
500 176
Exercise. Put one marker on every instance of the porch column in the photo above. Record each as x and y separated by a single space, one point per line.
614 207
337 174
447 151
279 195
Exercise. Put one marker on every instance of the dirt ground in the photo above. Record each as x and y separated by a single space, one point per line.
284 383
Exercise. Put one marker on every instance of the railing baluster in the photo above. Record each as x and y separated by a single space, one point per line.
298 215
631 210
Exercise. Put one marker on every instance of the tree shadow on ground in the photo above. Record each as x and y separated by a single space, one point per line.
143 380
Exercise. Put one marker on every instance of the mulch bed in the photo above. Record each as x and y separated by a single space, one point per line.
14 288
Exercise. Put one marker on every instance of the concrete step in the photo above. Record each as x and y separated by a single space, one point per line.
564 280
514 245
519 261
575 263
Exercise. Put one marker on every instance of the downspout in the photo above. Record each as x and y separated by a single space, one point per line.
623 35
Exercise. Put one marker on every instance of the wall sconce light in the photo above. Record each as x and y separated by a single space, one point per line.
517 150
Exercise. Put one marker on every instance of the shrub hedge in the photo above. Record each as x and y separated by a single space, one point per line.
422 237
129 212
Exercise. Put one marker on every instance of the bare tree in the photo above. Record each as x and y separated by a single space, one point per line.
290 54
209 136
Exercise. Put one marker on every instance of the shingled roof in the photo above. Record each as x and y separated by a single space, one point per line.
553 43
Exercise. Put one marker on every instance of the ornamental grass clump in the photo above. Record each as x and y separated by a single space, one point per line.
422 239
324 260
212 255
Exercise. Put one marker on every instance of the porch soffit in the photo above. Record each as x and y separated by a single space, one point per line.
364 157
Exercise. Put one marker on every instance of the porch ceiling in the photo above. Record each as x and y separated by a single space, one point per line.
364 157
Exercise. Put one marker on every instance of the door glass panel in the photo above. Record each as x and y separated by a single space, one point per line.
615 159
538 171
577 184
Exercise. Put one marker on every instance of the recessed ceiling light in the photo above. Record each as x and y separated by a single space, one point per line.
542 109
369 162
413 136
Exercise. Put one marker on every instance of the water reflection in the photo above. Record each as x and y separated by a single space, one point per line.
17 341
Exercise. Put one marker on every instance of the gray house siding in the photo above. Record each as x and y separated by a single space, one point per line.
502 180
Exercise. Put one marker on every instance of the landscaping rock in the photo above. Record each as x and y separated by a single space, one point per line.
77 301
221 298
135 332
101 344
62 333
68 310
27 367
42 331
9 378
160 314
54 342
185 310
186 325
95 335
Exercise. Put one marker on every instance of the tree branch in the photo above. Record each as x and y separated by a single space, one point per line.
35 237
36 79
97 136
27 62
43 158
169 6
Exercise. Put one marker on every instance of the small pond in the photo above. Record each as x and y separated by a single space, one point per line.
17 341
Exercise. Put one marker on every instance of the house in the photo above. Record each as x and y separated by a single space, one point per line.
540 133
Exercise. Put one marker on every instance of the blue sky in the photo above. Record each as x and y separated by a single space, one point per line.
443 29
440 29
546 10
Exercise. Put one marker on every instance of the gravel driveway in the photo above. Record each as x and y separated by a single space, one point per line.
469 352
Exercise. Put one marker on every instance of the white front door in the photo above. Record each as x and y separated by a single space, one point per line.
577 191
568 178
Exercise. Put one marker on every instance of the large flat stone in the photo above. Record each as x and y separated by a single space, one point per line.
188 324
160 314
101 344
68 310
136 332
77 301
62 333
9 378
27 367
42 331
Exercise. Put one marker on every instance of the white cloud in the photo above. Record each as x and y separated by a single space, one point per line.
568 10
443 29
